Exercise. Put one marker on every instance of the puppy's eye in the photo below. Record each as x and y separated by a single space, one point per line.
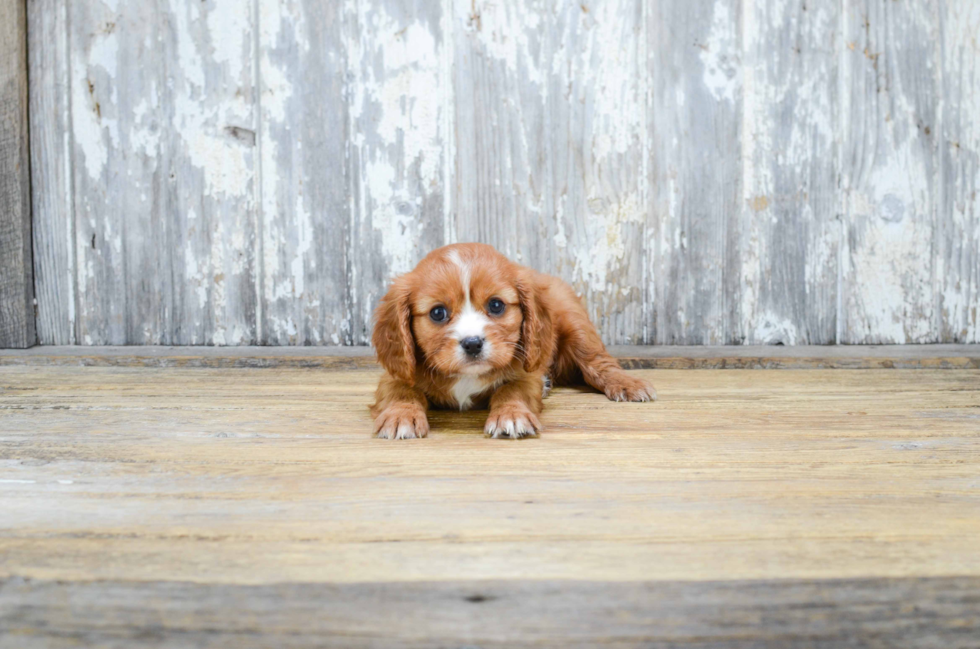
439 314
496 306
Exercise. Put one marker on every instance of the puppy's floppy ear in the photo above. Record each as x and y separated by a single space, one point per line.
392 336
536 331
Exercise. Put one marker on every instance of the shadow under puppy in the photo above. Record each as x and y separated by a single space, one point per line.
469 328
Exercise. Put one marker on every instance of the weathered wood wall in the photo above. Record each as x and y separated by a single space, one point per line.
702 171
17 327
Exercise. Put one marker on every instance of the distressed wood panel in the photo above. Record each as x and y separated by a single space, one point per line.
701 171
305 224
116 57
787 231
550 106
217 505
398 169
695 102
163 134
212 124
51 168
889 171
503 139
959 252
924 613
263 477
633 357
16 266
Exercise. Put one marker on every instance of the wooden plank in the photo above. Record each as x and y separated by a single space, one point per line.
52 201
212 190
505 194
551 112
937 612
631 357
890 172
163 133
694 64
259 179
788 234
121 202
241 476
16 267
305 207
959 244
245 508
399 171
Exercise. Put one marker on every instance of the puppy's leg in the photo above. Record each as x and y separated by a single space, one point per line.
580 346
399 410
514 408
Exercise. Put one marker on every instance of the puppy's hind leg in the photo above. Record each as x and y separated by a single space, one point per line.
580 345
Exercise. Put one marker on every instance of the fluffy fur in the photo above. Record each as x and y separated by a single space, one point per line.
543 336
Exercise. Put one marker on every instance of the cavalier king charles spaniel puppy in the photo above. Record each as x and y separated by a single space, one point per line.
468 328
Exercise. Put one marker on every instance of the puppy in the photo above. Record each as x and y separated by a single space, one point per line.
470 329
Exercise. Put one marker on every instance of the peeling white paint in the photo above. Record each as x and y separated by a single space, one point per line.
229 31
507 29
563 154
397 105
720 54
773 329
93 114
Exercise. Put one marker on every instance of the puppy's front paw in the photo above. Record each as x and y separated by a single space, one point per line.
511 421
620 386
401 422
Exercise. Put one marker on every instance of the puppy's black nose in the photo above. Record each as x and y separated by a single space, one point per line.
472 345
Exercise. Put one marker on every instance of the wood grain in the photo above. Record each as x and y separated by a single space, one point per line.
695 133
16 267
787 231
303 264
551 125
211 206
890 172
51 170
631 357
163 172
959 253
814 505
923 613
397 146
701 171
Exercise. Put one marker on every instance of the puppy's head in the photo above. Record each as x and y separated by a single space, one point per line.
465 309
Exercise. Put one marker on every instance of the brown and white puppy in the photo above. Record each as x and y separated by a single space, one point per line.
469 328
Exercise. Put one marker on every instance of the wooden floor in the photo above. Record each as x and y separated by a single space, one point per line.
232 507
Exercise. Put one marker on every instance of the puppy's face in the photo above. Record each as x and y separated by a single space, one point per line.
464 310
466 314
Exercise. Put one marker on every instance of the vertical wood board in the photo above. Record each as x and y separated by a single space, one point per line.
890 172
163 135
787 231
695 177
701 171
305 211
959 248
51 169
398 173
16 266
550 105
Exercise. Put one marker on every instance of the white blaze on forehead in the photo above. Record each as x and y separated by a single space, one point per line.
471 322
464 271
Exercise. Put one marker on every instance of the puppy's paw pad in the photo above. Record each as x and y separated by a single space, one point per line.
623 387
401 423
512 423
